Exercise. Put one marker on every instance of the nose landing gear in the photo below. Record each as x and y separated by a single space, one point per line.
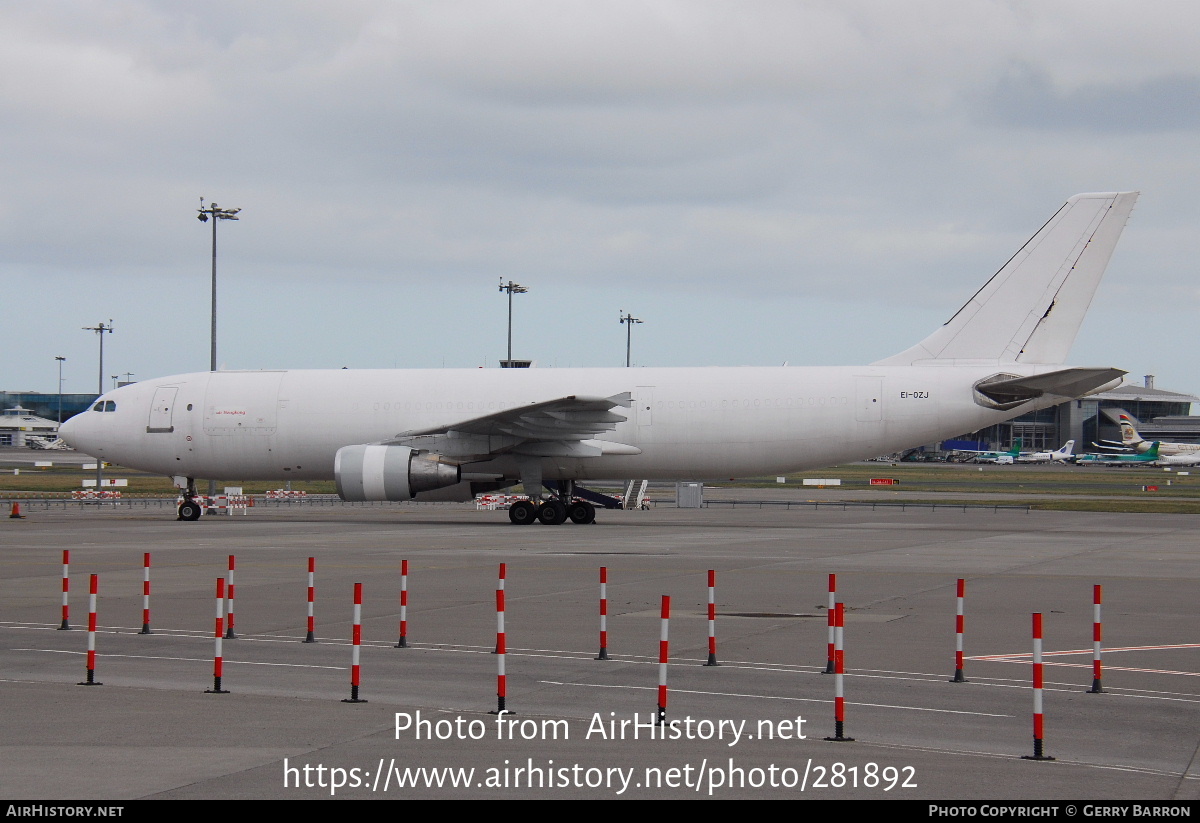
190 509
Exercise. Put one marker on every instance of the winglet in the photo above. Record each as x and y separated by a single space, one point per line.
1031 310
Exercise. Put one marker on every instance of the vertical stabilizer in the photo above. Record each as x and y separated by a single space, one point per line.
1031 310
1129 434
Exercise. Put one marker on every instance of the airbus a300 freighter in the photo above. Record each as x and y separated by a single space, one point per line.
449 434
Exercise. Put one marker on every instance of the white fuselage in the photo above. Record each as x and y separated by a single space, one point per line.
1142 446
689 423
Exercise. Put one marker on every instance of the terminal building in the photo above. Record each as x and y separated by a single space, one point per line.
47 404
30 419
22 428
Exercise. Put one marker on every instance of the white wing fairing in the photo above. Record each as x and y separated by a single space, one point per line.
396 434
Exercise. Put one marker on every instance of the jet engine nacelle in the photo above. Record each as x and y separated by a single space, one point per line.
389 473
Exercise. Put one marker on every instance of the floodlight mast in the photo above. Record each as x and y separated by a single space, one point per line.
99 329
628 320
512 288
217 214
60 360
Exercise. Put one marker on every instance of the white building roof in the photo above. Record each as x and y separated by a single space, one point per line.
19 419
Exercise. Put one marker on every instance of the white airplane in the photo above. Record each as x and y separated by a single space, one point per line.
1062 455
451 433
1180 459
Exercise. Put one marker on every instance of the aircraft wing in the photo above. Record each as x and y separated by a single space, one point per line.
564 427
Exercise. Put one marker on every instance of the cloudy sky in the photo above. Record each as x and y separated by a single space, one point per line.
760 182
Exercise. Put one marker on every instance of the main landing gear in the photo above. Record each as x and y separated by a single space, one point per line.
561 506
551 512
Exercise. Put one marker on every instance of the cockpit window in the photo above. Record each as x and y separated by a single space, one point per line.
99 406
105 406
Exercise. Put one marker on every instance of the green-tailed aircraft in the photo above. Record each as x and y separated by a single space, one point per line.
1006 457
1148 456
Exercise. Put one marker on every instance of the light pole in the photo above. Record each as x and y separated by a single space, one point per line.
100 330
628 320
60 360
512 288
216 214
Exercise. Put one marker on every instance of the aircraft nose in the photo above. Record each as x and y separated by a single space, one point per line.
68 430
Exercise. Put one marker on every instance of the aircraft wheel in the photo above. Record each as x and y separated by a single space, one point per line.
552 513
190 511
581 512
522 513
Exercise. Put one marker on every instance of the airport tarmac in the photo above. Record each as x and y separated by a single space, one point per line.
752 727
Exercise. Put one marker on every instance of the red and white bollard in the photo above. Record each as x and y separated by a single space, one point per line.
499 612
830 664
662 661
311 637
218 634
229 633
1037 691
66 589
91 644
712 619
145 594
356 645
839 671
402 643
958 633
1096 635
603 614
501 647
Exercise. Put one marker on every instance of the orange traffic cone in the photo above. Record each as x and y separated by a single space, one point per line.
16 512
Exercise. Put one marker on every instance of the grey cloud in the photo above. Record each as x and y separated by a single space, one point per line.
1027 98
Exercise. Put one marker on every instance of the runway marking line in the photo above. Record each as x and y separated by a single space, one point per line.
1027 655
769 697
1007 756
186 659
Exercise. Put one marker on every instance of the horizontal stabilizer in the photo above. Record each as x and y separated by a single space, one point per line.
1004 391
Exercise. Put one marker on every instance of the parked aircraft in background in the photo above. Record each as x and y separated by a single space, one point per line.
1130 439
452 433
1182 459
1062 455
1146 458
1003 458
